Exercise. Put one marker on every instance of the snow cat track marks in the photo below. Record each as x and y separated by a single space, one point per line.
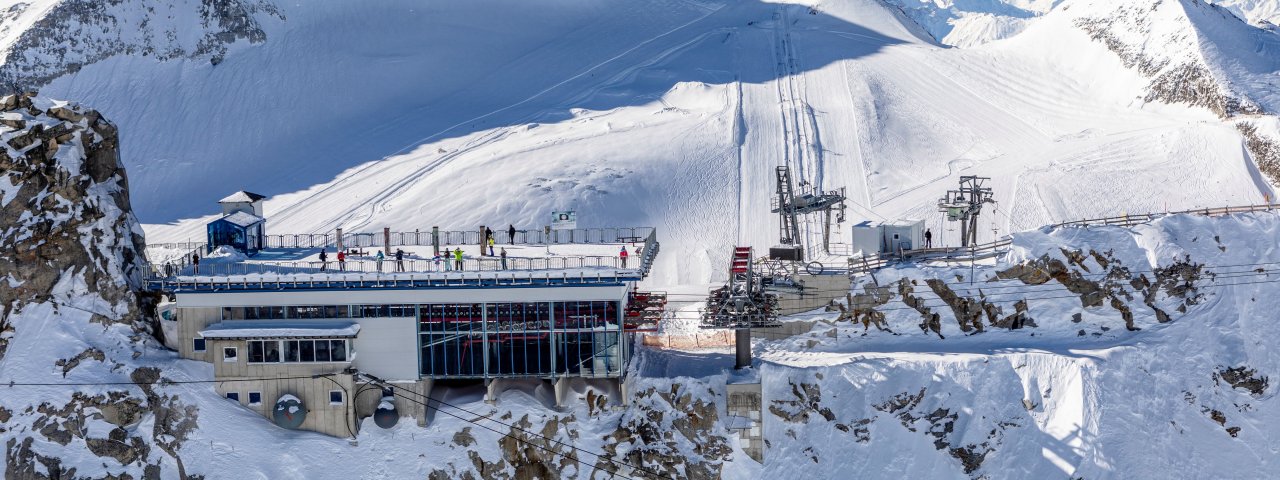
487 138
416 176
861 175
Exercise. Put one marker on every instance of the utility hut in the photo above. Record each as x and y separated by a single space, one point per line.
892 237
241 226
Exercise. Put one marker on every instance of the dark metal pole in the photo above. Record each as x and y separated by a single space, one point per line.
742 342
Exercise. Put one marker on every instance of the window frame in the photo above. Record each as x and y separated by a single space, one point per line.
249 398
232 396
235 354
342 397
282 351
203 344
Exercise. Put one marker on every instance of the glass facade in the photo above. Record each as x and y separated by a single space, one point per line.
472 340
536 339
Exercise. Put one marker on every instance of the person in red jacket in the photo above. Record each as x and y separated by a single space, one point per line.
342 261
623 256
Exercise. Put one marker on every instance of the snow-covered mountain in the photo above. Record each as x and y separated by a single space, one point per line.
674 113
365 116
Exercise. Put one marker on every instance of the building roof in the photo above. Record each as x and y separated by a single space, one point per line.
242 219
280 329
242 196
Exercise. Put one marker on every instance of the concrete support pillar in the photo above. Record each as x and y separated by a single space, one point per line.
491 391
624 392
386 241
339 239
483 241
426 411
561 389
435 240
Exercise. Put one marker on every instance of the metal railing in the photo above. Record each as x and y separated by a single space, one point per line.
868 263
462 237
168 274
349 280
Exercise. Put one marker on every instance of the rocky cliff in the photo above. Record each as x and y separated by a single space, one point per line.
68 275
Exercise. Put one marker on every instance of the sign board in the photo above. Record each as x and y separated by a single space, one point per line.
567 220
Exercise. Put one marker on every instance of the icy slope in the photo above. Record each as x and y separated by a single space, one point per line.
1072 392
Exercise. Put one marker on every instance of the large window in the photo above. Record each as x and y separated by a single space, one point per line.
367 311
453 340
588 342
282 313
520 339
299 351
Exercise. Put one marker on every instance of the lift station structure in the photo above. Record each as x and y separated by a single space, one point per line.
742 304
965 204
790 205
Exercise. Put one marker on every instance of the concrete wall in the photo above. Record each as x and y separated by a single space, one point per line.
190 322
746 400
242 368
387 348
337 420
819 290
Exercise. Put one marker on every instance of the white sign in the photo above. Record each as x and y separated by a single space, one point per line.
564 220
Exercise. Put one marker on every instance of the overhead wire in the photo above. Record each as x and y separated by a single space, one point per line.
428 399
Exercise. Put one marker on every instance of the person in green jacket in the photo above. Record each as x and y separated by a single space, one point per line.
457 259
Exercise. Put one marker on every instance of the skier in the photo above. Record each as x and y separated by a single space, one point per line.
399 260
511 234
342 261
623 256
457 259
504 258
928 238
490 246
195 262
324 259
380 258
436 259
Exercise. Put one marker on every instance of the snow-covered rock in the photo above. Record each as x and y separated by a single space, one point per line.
1143 353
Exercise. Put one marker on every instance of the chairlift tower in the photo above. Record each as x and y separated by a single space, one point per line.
790 206
965 204
742 304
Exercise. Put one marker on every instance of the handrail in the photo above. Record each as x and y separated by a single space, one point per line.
544 236
600 266
867 263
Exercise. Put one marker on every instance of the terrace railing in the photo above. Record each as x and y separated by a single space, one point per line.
462 237
181 270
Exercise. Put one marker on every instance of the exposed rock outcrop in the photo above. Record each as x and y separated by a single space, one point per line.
75 33
70 252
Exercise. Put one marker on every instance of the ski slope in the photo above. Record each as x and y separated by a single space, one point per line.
675 121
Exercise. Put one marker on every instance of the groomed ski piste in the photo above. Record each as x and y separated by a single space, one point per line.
675 121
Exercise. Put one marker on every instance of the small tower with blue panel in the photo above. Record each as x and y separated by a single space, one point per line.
242 226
